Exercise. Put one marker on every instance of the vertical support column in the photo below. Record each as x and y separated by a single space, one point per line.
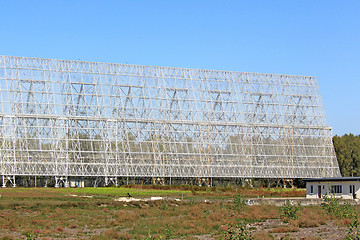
7 179
110 180
13 182
114 181
56 182
3 181
96 182
106 181
66 182
159 180
288 181
248 182
63 180
206 181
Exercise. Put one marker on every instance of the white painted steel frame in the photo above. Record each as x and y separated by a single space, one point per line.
72 118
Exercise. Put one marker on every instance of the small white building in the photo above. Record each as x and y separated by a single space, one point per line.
341 187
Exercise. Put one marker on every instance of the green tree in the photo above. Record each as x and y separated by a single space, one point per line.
347 148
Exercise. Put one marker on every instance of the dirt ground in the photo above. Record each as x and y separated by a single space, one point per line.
100 214
328 231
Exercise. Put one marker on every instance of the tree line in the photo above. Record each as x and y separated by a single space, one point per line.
347 148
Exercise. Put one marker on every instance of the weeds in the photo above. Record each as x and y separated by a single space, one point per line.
239 232
353 231
150 236
59 213
239 203
285 229
168 232
164 206
7 237
290 211
192 202
30 236
333 207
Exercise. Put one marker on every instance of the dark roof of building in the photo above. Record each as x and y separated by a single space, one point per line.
334 179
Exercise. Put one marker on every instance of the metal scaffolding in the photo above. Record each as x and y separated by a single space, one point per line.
65 118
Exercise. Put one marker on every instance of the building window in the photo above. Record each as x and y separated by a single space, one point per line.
350 189
311 189
336 189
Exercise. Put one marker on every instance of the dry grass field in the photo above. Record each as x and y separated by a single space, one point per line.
184 213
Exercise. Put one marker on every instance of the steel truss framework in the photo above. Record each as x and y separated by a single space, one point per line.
71 118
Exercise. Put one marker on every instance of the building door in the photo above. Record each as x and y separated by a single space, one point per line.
352 190
319 191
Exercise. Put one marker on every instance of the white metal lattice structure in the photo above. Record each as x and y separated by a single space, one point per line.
71 118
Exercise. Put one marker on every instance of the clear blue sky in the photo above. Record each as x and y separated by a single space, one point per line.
318 38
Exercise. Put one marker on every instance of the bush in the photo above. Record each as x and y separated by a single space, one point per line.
239 203
290 211
353 231
333 207
168 232
239 232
